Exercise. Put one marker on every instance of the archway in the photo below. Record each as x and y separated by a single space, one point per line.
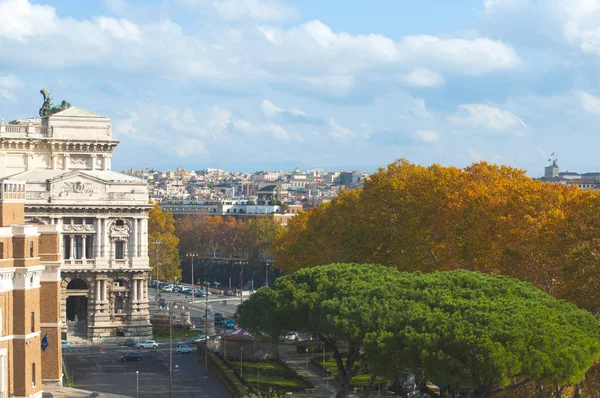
77 291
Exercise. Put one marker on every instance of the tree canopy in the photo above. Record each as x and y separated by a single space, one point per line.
457 327
163 245
486 218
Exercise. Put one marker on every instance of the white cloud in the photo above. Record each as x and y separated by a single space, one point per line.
474 155
22 20
468 56
8 83
121 29
220 121
259 10
191 148
426 136
269 108
422 77
339 132
276 131
488 118
589 102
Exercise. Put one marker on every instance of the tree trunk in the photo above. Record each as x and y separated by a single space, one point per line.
369 385
558 391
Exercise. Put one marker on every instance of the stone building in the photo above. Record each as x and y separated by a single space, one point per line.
29 299
101 215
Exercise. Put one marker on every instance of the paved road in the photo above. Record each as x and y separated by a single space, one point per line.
104 372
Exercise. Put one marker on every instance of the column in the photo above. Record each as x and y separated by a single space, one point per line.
66 161
54 157
143 231
105 242
135 290
83 247
135 238
72 247
93 161
98 237
97 292
103 291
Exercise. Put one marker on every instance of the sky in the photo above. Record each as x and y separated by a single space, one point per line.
249 85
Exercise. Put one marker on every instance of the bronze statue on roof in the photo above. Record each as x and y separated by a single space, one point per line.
47 109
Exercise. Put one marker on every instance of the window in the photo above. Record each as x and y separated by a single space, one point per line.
119 252
32 322
119 223
67 247
78 220
1 323
118 305
89 245
31 249
33 375
1 249
78 246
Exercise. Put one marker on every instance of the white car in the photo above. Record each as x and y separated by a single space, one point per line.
183 349
168 288
289 336
200 338
66 345
148 344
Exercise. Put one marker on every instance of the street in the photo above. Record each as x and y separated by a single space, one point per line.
105 372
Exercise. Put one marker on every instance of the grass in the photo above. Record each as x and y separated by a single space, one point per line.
273 381
68 376
358 380
162 334
266 366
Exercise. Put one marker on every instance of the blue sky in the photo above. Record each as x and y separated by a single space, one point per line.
275 84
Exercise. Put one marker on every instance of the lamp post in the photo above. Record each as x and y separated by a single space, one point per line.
258 379
192 255
241 283
171 350
137 384
241 358
156 243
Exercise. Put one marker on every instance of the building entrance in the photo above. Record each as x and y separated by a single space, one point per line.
77 303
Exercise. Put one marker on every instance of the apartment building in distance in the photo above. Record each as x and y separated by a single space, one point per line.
30 326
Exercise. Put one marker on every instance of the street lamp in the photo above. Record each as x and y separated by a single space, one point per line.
241 358
137 384
171 350
192 255
156 243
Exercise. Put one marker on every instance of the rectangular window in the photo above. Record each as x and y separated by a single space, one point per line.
78 220
33 375
31 249
78 246
32 322
67 247
89 246
2 250
119 252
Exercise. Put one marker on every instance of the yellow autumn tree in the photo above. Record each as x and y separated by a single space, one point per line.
163 245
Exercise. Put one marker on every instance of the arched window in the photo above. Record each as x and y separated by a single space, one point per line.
119 223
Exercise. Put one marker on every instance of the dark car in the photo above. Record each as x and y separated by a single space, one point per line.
127 343
218 318
132 356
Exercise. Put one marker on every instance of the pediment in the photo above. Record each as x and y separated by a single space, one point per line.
76 112
77 185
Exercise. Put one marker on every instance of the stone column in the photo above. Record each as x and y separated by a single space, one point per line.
135 290
97 292
54 157
67 161
83 247
135 238
105 241
103 291
98 237
93 160
72 247
144 238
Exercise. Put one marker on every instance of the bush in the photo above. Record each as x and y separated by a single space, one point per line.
233 384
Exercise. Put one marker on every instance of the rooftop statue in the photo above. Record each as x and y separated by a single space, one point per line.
47 109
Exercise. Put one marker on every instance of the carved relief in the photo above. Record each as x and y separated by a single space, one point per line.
117 232
78 188
79 163
78 228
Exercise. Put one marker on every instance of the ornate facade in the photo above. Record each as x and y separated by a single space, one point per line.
102 216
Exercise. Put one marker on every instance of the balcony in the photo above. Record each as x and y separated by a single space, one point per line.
82 264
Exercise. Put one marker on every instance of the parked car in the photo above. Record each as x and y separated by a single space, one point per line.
216 337
132 356
127 343
177 288
229 293
289 336
167 288
186 289
66 345
200 338
148 344
218 318
229 324
183 349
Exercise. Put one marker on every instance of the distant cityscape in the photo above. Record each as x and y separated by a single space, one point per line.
219 192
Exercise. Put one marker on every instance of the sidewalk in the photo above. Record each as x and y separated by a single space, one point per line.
66 392
296 361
